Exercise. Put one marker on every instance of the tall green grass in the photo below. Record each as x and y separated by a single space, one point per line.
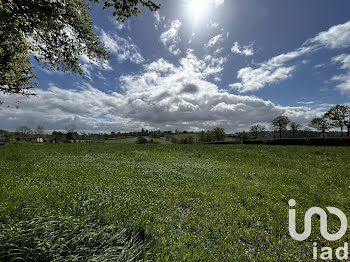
57 238
165 202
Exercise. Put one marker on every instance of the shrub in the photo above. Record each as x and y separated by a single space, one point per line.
174 140
254 142
141 140
287 141
313 141
185 140
222 143
329 141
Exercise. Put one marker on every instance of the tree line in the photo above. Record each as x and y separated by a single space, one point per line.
336 117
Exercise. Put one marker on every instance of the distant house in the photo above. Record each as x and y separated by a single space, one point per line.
2 135
37 140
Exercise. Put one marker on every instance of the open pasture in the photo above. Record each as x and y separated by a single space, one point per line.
125 202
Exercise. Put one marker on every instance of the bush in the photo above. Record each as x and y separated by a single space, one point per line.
141 140
329 141
313 141
174 140
288 141
254 142
154 141
185 140
222 143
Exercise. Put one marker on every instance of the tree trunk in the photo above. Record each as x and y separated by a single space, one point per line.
280 133
323 134
348 133
341 130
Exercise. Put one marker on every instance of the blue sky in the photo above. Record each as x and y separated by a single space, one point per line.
197 64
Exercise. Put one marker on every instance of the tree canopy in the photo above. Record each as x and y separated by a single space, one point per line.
256 130
56 33
280 123
294 127
320 124
338 115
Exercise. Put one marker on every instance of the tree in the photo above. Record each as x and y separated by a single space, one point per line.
337 114
320 124
347 120
8 135
39 130
280 123
83 135
56 33
295 127
242 136
218 134
256 130
202 136
70 128
58 136
24 131
127 8
307 132
71 134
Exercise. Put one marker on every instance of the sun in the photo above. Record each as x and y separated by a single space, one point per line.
198 9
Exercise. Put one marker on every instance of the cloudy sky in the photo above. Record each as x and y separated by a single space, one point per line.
191 66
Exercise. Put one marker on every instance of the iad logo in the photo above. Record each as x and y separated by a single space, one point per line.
327 253
323 222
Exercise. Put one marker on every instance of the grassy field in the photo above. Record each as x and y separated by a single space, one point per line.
132 140
125 202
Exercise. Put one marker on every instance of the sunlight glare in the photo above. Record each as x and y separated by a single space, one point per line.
198 9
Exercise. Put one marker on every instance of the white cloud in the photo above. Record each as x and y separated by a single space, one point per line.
214 66
100 76
306 102
255 79
246 50
282 59
269 72
213 24
344 79
119 25
215 40
158 19
171 38
218 3
219 50
89 65
124 49
277 68
318 66
337 36
162 96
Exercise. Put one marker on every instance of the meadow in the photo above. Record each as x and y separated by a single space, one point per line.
163 202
